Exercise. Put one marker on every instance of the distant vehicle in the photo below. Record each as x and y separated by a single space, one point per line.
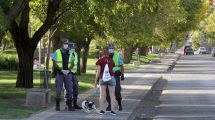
189 43
189 51
202 50
185 47
213 52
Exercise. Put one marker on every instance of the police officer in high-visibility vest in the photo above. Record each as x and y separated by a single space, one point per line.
119 76
75 85
63 62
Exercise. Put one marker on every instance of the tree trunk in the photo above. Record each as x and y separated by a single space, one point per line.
144 51
78 50
85 55
25 71
127 55
25 50
25 67
51 34
3 45
138 54
48 54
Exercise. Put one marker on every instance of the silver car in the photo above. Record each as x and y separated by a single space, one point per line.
202 50
213 52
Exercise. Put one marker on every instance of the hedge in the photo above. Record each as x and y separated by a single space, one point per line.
8 62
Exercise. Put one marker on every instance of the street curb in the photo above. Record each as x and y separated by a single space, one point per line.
173 63
137 111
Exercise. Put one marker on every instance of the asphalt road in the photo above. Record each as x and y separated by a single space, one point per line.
190 91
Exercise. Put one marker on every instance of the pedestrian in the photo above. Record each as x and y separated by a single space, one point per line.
74 79
119 76
63 62
106 78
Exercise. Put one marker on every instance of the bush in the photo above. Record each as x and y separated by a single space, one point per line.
94 54
8 62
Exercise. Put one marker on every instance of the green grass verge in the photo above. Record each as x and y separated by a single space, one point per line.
12 98
9 111
143 60
9 52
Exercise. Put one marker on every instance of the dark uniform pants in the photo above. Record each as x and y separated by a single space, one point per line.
75 87
66 79
117 91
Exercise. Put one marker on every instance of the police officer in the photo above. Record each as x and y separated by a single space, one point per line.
72 47
63 62
119 75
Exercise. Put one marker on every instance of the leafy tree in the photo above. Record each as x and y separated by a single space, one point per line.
143 23
7 41
16 14
210 27
196 39
81 29
2 25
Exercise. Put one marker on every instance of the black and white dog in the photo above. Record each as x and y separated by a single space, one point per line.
88 106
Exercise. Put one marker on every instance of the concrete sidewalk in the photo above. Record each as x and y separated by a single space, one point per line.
134 88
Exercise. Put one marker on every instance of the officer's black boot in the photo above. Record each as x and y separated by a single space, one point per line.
57 108
108 107
70 107
76 105
120 104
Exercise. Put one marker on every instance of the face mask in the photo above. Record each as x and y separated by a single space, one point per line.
111 50
72 50
65 46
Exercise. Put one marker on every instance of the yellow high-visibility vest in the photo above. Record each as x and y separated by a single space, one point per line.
59 59
116 62
74 69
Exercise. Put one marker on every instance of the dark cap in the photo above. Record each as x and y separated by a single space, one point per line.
72 45
111 46
64 40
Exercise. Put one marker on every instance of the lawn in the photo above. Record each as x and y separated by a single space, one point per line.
13 111
12 100
143 60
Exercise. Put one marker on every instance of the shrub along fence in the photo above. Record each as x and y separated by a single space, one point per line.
8 62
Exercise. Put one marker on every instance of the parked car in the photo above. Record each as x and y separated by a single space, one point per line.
185 47
213 52
202 50
189 51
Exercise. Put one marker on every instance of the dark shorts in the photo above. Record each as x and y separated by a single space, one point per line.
111 82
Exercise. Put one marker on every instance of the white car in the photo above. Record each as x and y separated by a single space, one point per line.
213 52
202 50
